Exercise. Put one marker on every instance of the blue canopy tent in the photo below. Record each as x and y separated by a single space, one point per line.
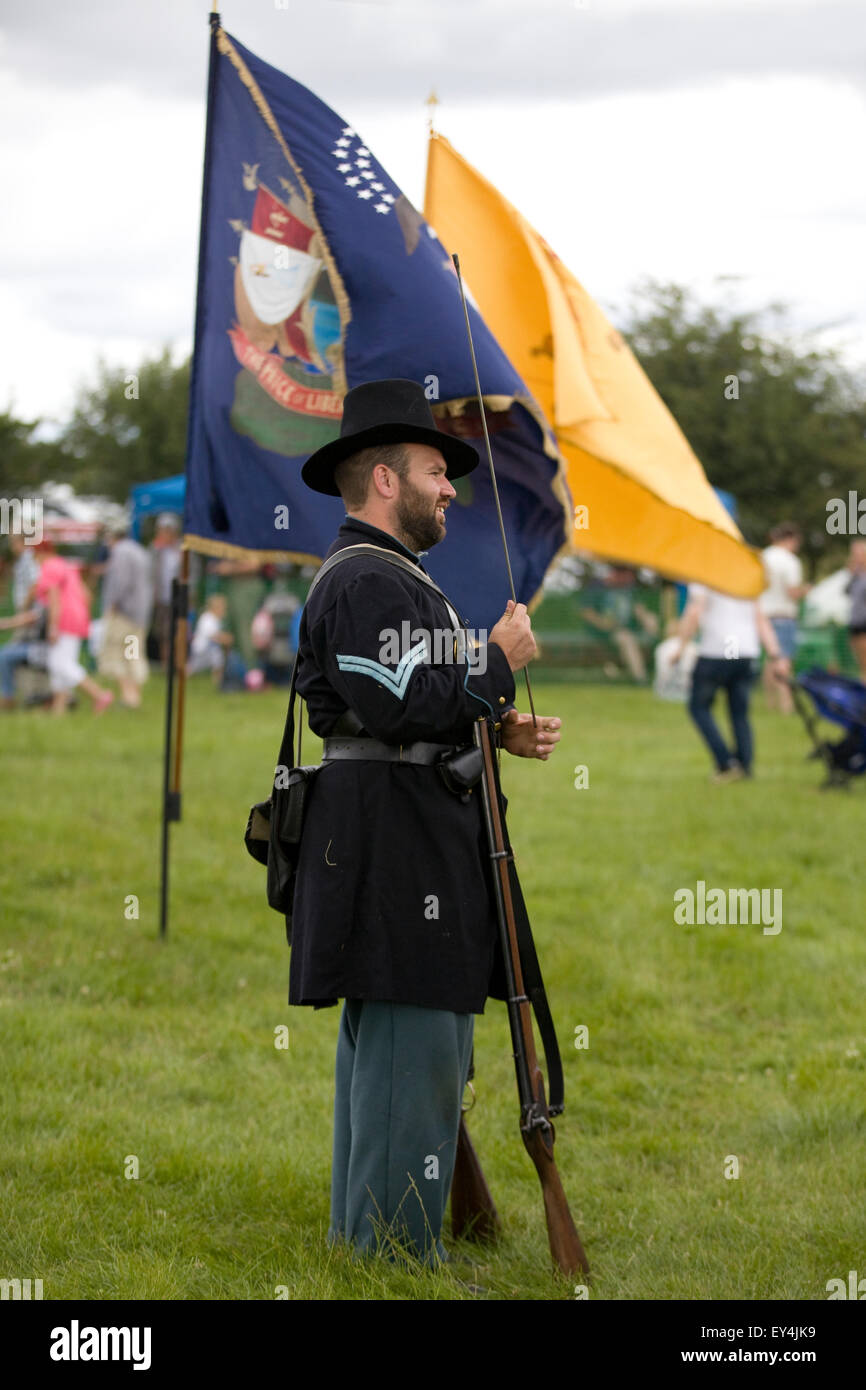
164 495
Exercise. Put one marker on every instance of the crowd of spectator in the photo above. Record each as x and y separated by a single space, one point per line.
246 630
113 609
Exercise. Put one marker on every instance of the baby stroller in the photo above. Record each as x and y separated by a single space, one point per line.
843 701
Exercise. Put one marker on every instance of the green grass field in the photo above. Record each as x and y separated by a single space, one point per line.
705 1042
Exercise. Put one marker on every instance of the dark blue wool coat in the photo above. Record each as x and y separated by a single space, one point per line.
393 899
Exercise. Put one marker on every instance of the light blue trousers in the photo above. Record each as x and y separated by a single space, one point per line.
401 1072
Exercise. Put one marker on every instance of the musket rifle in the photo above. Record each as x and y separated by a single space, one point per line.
536 1126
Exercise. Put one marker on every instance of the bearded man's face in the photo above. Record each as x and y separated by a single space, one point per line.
425 492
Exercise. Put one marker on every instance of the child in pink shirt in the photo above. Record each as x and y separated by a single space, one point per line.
73 605
61 590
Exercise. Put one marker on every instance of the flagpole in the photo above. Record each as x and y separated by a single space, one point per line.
182 640
173 752
170 802
490 461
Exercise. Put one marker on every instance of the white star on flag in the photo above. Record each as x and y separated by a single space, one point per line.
378 186
351 182
343 168
363 163
364 193
381 207
347 130
387 197
366 174
362 149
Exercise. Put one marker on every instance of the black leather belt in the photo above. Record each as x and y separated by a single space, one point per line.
372 750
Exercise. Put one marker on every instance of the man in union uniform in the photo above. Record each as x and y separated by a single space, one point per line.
393 911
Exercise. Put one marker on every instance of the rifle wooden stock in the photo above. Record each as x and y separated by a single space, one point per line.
565 1243
535 1123
473 1212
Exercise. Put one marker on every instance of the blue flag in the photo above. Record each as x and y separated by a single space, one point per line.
316 274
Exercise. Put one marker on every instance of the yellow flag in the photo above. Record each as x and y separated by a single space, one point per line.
640 494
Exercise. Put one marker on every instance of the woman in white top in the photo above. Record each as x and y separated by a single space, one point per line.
733 630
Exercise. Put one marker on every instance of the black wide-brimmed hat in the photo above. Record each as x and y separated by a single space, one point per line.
385 412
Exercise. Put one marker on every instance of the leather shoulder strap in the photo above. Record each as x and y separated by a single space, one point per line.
348 552
392 558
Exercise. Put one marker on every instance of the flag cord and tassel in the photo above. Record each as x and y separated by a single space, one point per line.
490 461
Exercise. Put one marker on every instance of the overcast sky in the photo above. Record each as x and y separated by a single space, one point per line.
681 139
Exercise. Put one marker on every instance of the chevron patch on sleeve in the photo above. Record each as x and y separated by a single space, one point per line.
396 681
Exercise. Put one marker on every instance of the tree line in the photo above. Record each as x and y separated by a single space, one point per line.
776 420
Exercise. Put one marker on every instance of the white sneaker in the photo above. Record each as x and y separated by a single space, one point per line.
732 773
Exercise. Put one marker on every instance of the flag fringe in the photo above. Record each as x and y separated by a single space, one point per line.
223 550
559 483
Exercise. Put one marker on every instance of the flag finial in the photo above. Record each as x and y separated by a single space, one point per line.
431 103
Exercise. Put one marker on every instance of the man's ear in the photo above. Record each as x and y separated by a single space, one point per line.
384 480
